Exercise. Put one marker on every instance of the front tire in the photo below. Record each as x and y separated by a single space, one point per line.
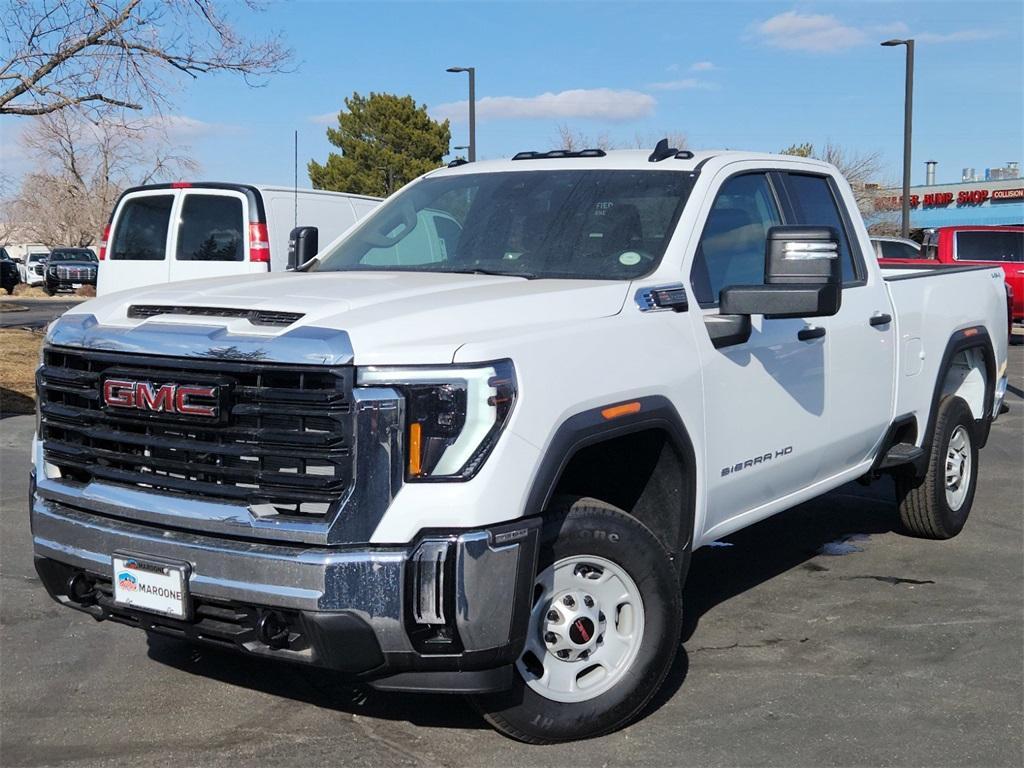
937 505
604 629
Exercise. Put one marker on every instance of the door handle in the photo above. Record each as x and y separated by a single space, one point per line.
807 334
880 319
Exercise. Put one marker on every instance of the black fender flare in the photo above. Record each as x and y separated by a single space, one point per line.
973 337
591 427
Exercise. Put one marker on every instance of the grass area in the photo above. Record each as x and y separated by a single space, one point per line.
19 356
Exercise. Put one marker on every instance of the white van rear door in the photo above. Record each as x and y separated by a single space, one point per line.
211 236
138 242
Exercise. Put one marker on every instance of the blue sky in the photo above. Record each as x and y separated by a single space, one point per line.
744 75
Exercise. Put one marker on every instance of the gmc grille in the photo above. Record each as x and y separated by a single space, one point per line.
283 442
75 273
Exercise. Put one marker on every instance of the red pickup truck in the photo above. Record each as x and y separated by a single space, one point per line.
977 246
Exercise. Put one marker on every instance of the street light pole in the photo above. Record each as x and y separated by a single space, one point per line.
908 114
471 71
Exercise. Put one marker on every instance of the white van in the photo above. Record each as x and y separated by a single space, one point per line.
161 233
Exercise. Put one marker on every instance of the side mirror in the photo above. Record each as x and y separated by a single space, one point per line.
303 243
803 277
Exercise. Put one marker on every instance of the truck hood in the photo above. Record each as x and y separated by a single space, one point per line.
390 317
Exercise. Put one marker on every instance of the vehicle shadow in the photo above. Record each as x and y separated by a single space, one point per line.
768 549
717 574
318 687
764 550
15 404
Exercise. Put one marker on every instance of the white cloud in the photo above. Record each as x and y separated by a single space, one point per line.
702 66
814 32
589 103
184 128
960 36
685 84
821 33
327 118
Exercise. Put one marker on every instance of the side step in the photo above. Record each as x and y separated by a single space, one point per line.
901 454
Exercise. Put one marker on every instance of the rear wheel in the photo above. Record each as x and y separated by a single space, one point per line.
937 505
603 632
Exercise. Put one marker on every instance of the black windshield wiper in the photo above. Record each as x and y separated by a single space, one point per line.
495 272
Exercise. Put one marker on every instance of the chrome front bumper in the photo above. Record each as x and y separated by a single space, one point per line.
473 585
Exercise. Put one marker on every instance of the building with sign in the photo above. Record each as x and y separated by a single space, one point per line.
997 200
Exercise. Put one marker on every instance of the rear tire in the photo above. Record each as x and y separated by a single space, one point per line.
603 633
937 505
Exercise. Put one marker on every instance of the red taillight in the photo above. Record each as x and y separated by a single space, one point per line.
259 243
103 242
180 185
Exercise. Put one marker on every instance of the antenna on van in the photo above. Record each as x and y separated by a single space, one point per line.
296 178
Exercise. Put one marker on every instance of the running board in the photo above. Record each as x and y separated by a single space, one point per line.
900 455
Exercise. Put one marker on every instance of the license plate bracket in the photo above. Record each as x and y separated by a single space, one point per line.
152 584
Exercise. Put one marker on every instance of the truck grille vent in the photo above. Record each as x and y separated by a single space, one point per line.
74 273
281 442
255 316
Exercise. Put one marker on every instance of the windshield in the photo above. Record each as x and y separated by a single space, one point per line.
73 256
37 257
605 225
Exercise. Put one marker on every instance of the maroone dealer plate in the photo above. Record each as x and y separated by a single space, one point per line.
153 585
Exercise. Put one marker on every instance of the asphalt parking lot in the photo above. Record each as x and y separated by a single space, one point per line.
34 313
819 637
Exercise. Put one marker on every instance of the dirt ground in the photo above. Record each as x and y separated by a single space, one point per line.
23 291
19 356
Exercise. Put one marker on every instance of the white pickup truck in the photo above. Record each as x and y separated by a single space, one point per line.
481 465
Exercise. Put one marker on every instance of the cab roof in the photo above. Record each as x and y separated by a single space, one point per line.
621 159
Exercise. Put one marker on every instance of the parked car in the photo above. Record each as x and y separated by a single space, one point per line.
484 470
219 229
896 248
68 269
33 268
972 246
9 276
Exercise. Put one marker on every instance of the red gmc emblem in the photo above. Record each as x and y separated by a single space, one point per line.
165 398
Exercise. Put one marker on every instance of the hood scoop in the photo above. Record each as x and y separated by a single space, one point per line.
254 316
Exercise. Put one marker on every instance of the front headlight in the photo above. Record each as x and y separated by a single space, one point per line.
454 414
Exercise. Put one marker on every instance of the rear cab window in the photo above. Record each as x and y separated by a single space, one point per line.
816 205
140 233
989 246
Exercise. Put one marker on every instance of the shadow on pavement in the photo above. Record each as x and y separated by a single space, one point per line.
782 542
717 574
15 404
319 687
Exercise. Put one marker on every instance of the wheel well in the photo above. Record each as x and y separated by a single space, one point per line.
966 377
642 473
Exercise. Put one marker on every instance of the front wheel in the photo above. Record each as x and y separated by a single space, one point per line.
604 629
936 506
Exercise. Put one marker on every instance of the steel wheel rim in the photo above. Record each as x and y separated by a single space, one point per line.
958 468
586 628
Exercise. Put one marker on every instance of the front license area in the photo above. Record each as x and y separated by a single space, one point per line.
149 585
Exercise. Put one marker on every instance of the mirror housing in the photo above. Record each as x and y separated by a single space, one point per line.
303 244
803 277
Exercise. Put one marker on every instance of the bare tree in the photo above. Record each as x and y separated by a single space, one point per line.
98 55
572 139
81 168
